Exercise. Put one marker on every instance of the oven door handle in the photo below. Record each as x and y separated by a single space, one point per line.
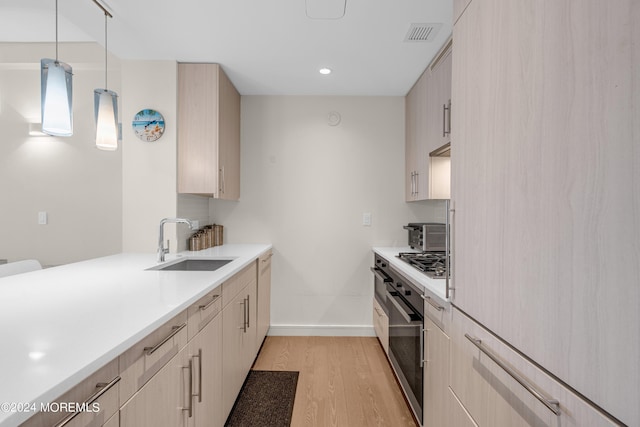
402 311
380 275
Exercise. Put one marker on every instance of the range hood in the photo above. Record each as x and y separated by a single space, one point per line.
444 151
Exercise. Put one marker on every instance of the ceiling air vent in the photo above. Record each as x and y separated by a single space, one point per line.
422 32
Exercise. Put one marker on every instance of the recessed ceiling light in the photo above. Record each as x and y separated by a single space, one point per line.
325 71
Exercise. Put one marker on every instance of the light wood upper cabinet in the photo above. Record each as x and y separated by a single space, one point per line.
208 132
458 8
545 173
427 128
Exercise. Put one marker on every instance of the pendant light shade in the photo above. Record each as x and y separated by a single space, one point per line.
106 109
56 102
106 105
56 94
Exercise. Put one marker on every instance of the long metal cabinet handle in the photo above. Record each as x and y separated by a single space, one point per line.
552 404
222 183
422 332
446 108
174 330
207 305
449 121
447 251
189 409
104 387
428 299
244 315
417 180
248 313
199 356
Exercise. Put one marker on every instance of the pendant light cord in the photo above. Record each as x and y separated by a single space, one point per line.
105 51
56 31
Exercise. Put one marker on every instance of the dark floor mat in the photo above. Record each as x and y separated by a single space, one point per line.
265 400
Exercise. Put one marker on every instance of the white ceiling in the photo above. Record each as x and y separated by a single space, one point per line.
266 47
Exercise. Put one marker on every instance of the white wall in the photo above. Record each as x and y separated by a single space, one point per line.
78 185
148 168
304 188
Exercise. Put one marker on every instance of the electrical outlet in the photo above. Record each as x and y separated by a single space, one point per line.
43 218
366 219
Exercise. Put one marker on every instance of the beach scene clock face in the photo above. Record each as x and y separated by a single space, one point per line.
148 125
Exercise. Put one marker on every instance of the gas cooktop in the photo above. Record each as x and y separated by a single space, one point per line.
433 264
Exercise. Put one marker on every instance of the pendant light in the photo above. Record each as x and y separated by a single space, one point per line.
106 104
56 94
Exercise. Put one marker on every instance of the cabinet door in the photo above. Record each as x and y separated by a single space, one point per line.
228 139
198 128
483 377
381 325
436 378
545 168
458 8
459 415
416 134
249 337
206 354
264 297
439 125
165 399
233 375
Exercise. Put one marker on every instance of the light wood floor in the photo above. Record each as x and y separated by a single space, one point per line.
343 381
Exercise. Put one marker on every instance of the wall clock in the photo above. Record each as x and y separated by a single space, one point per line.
148 125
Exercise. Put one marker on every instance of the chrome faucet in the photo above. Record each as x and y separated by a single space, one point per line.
161 249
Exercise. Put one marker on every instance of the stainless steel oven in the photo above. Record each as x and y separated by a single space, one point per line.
381 278
402 301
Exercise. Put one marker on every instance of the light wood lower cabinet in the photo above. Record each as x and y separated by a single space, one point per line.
493 397
96 399
458 415
206 355
239 343
264 297
381 325
164 400
436 375
188 372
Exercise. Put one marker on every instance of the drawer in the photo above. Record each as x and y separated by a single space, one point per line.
235 284
493 397
459 416
96 399
381 325
264 262
203 311
437 310
148 356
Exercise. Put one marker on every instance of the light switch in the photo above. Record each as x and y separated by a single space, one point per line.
42 218
366 219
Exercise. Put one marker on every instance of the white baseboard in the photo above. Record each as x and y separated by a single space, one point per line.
322 330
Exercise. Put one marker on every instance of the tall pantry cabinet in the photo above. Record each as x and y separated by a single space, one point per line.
546 187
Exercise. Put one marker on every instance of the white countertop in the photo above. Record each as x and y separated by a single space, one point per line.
436 287
60 325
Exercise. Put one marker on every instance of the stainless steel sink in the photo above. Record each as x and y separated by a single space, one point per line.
191 264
